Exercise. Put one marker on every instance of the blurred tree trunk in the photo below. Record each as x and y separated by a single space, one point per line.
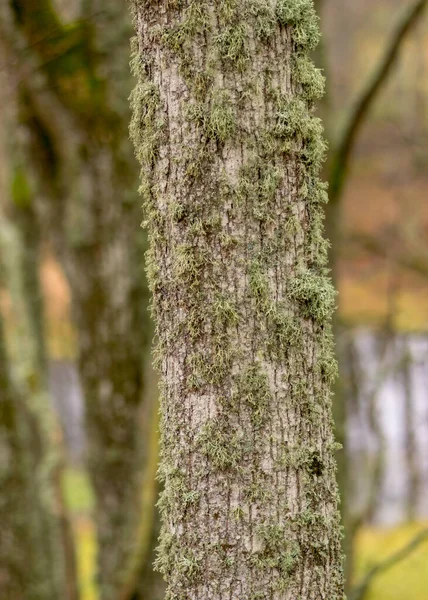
411 453
230 152
33 559
28 295
77 148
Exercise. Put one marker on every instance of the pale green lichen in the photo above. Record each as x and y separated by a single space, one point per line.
224 448
314 294
254 392
286 318
301 15
277 553
231 43
145 128
218 122
309 77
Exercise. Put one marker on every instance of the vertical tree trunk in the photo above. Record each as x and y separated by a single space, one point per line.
411 451
36 430
27 271
230 152
76 123
32 559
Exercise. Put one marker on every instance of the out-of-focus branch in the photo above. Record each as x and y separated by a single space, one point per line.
360 591
65 55
341 151
418 263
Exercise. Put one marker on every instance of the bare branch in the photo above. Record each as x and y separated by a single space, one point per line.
360 591
342 151
418 263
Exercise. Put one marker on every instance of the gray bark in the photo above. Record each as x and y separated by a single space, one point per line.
231 153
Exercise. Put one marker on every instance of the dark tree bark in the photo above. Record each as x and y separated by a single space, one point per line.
237 264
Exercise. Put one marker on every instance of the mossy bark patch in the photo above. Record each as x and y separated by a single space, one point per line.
241 298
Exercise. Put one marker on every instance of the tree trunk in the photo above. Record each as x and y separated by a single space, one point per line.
411 450
36 432
78 152
32 559
231 153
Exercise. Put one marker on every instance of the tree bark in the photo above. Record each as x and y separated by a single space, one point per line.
237 264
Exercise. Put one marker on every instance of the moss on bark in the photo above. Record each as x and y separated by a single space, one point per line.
241 297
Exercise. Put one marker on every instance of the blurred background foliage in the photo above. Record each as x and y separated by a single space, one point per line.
70 268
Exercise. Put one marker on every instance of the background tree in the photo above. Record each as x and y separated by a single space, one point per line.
237 263
342 143
36 559
71 100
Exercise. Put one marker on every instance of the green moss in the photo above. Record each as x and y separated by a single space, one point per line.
314 294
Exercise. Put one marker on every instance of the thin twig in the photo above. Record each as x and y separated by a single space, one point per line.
418 263
343 148
360 591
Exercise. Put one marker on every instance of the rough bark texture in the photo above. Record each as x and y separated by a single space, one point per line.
230 153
